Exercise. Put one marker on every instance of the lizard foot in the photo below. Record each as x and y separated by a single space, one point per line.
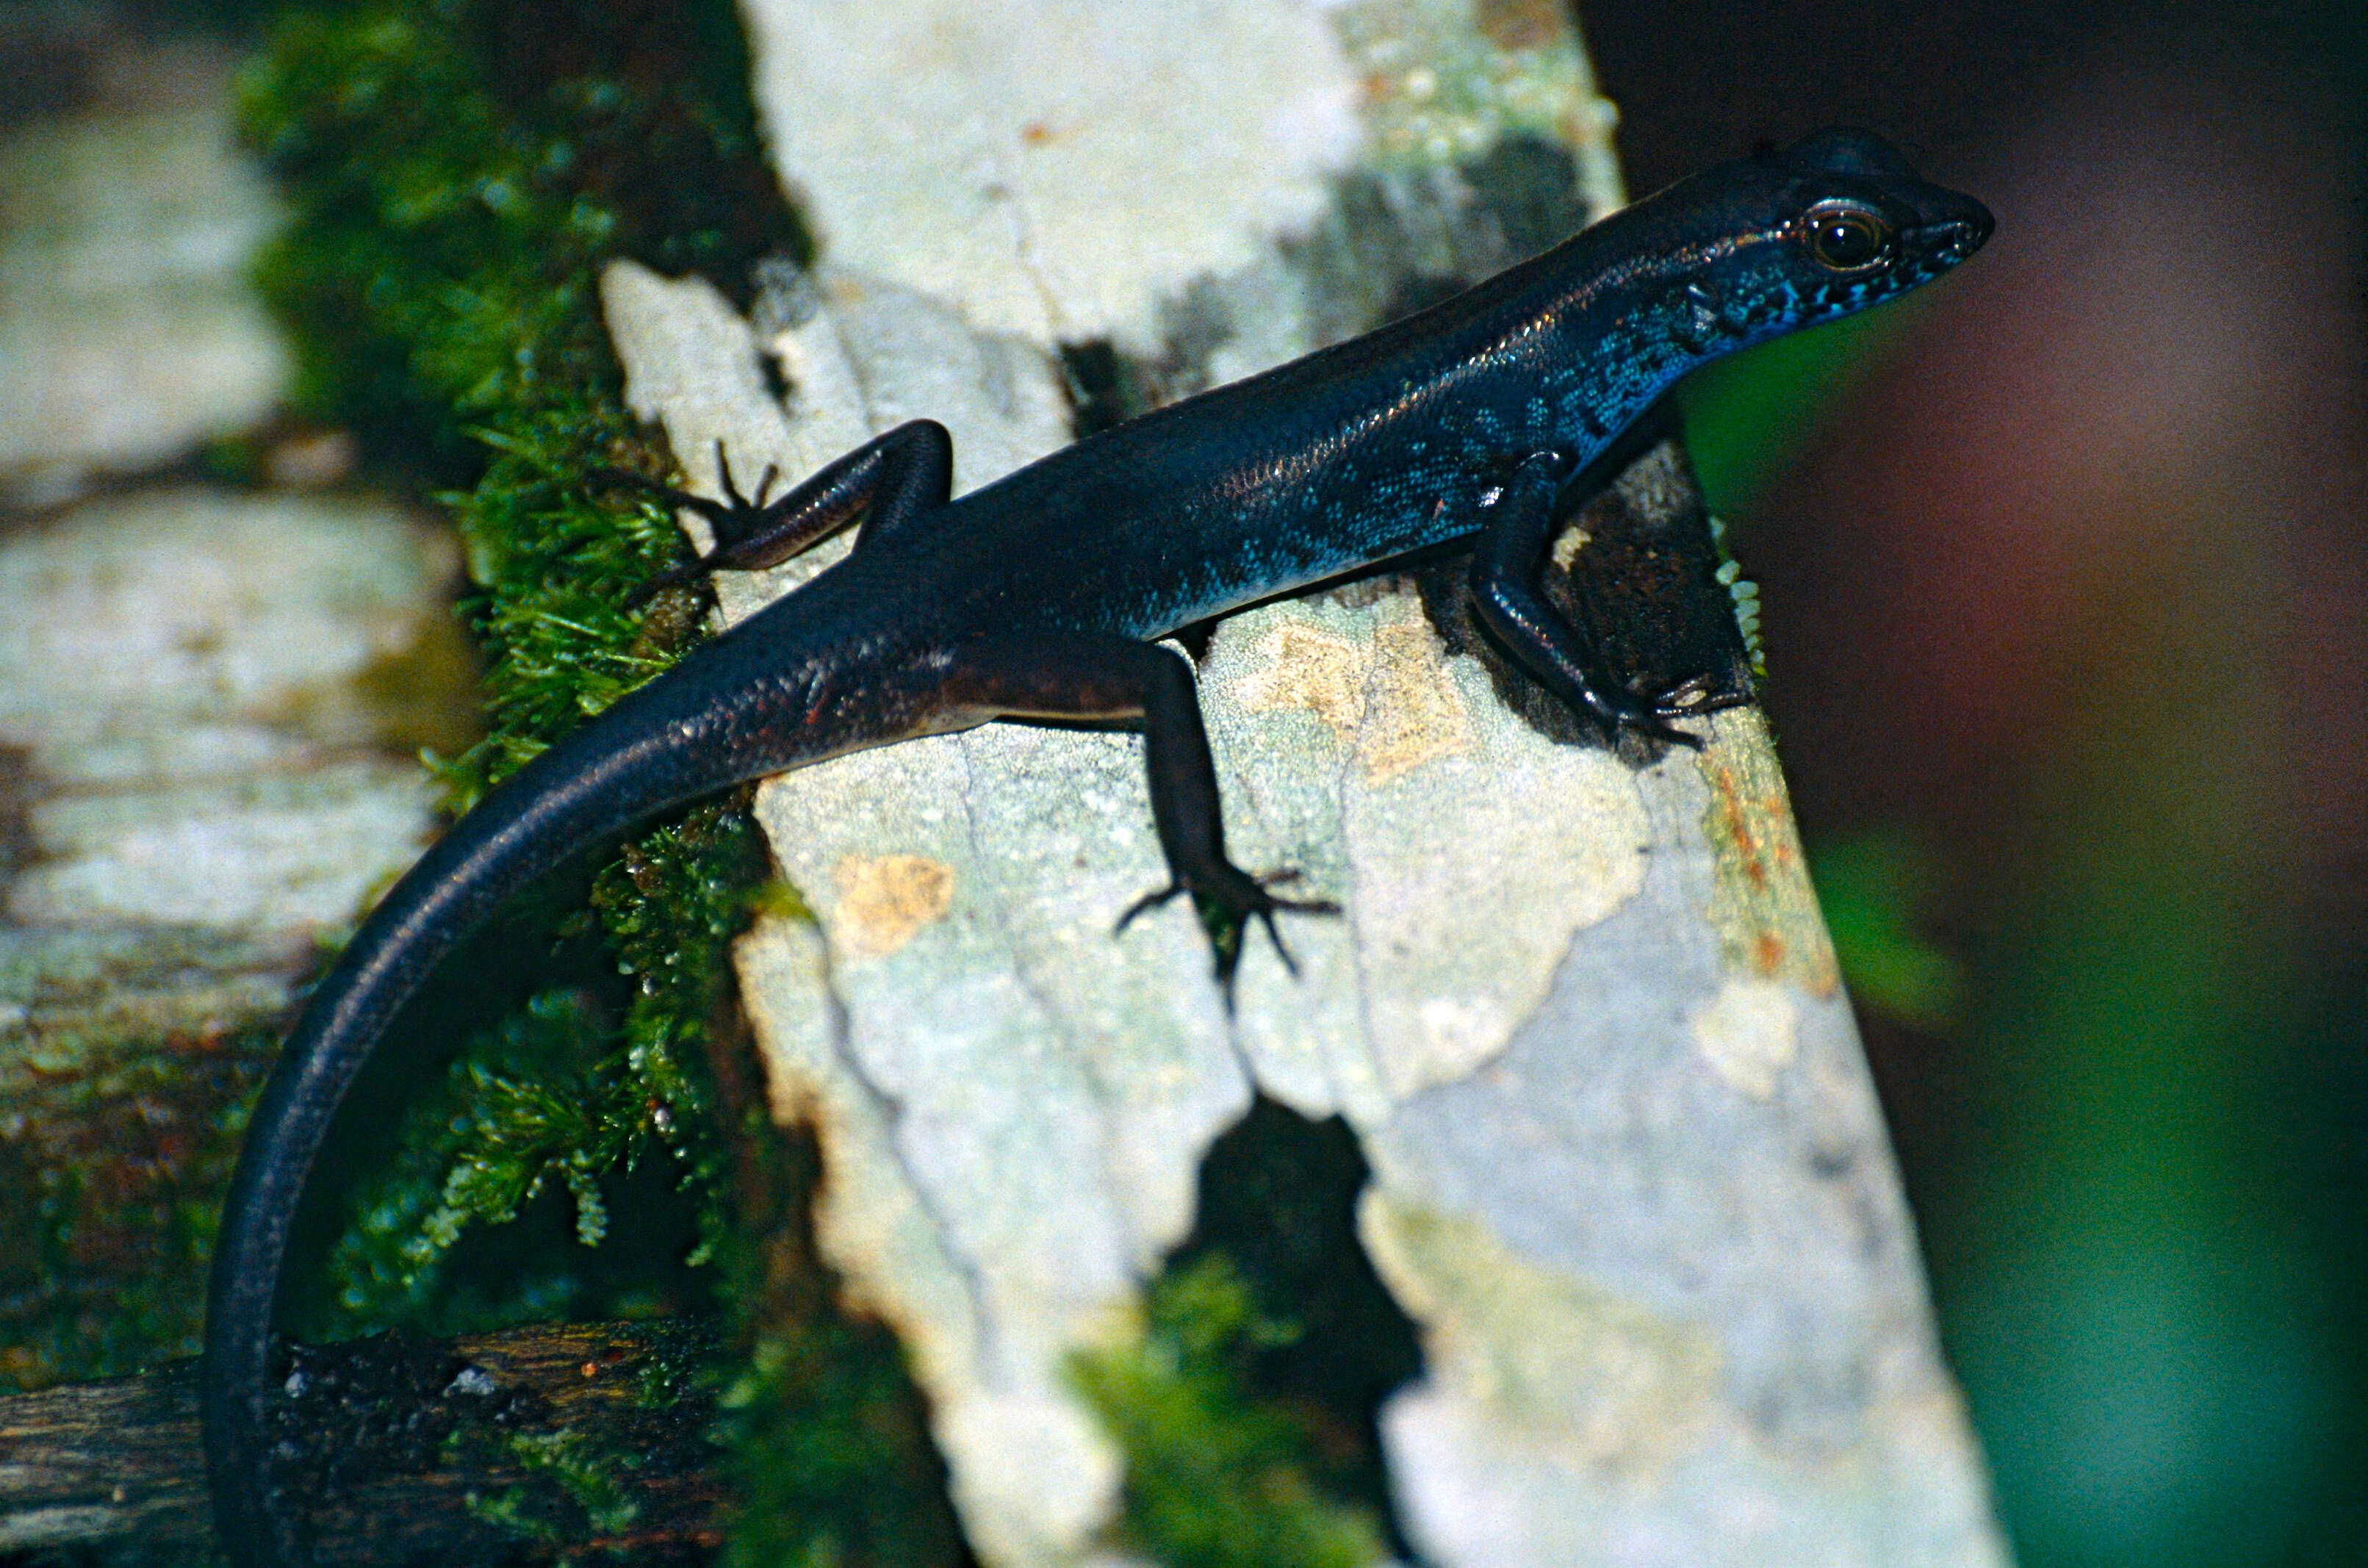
736 520
1229 898
1631 713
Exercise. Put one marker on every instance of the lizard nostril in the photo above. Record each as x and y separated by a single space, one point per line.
1954 239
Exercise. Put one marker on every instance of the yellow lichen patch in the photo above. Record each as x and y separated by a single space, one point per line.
1390 698
1416 715
885 900
1299 666
1748 1033
1764 909
1523 24
1561 1363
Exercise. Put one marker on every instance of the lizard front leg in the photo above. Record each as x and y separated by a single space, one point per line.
889 481
1091 677
1506 566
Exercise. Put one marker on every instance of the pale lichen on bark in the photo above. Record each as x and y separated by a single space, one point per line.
1628 1172
127 330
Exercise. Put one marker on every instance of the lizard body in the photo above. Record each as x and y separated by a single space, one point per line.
1041 597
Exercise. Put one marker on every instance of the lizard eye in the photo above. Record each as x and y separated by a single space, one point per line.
1843 236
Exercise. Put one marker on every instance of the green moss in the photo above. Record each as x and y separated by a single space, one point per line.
459 171
573 1462
524 1106
566 1094
115 1154
1218 1476
1248 1407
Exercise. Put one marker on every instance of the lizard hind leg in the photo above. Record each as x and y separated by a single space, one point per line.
1082 677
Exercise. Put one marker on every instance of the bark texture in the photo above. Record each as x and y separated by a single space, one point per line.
577 1438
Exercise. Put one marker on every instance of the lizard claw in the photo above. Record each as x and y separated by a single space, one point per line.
1684 700
733 519
744 508
1149 901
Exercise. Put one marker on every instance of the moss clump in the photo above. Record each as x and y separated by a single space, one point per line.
1216 1475
531 1103
459 171
568 1092
1247 1408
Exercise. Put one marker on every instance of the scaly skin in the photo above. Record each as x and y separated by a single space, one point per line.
1041 597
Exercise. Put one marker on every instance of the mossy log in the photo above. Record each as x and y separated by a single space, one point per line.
516 1447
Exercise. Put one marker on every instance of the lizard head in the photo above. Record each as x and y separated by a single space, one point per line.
1857 225
1835 223
1848 225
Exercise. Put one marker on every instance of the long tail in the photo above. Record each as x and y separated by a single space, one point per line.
732 710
